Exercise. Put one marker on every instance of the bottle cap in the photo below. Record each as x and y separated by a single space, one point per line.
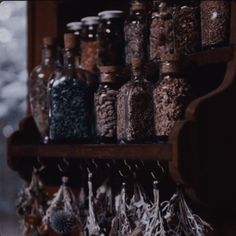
90 20
74 26
48 40
69 40
111 14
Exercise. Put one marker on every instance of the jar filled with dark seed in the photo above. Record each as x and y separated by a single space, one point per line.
187 26
171 95
135 122
105 104
38 82
215 23
161 36
75 28
89 43
111 38
136 31
70 101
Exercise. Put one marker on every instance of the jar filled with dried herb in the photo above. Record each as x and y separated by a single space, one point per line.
135 122
38 82
70 101
89 43
171 95
136 31
161 36
187 26
215 23
105 104
111 38
76 28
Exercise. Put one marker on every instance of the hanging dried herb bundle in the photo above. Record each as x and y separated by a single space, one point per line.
63 214
31 205
180 218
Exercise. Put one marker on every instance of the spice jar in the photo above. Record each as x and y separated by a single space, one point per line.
135 108
111 38
187 26
38 82
89 43
215 22
70 101
105 104
171 95
161 36
136 38
75 28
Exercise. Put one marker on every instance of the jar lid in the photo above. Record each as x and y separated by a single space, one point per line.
90 20
74 26
48 40
69 40
111 14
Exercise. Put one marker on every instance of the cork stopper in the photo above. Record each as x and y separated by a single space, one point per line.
47 40
69 40
108 69
137 5
170 63
170 57
136 62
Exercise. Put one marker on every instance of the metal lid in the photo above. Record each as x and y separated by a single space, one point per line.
74 26
111 14
90 20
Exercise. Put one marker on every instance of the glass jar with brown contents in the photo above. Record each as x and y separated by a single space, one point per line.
135 108
38 83
215 22
171 95
111 38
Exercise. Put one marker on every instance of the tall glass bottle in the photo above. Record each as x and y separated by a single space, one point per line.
135 122
38 82
136 31
105 104
171 95
70 101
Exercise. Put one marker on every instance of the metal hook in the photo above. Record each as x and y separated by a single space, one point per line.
65 161
41 167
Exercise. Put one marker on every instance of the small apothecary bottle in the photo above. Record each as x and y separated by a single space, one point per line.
105 104
89 44
111 38
38 82
136 31
70 101
161 36
215 23
171 95
187 26
135 122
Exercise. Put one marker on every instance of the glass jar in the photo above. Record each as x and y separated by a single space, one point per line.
105 104
70 101
172 94
136 31
215 23
135 122
187 26
38 82
111 38
75 28
89 44
161 36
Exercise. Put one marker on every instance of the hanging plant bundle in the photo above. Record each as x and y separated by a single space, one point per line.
63 214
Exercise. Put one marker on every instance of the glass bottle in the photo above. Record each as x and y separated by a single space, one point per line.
187 26
215 23
75 28
89 43
105 104
136 31
135 122
171 95
161 36
70 101
38 82
111 38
